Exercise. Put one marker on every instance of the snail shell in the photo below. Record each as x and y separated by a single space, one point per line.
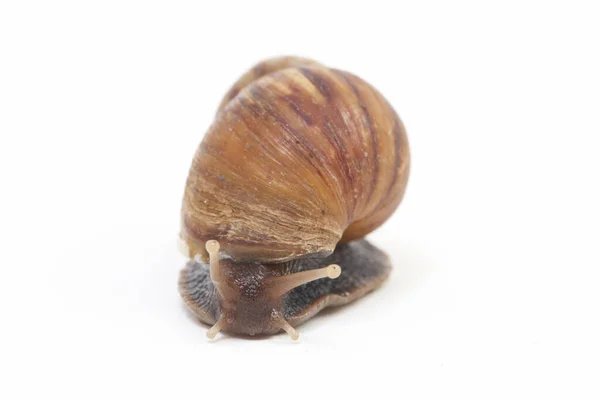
300 157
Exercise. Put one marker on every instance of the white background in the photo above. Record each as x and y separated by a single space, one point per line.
495 291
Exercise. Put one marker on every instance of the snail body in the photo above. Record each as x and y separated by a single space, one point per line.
301 162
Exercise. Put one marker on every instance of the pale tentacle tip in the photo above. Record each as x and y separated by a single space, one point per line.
212 332
293 333
212 246
334 271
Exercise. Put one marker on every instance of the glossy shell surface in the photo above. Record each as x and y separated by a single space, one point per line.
299 158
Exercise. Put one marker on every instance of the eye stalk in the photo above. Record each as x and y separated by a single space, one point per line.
285 283
212 247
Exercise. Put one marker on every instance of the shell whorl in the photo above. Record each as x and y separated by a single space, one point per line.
299 158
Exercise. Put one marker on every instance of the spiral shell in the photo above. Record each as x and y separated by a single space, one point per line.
299 158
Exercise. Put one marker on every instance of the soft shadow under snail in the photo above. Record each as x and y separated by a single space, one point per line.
301 162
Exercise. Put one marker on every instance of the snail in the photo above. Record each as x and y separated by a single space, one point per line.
300 163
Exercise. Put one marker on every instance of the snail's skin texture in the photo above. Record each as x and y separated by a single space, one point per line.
299 158
255 307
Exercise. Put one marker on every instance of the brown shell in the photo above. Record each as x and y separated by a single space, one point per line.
299 157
